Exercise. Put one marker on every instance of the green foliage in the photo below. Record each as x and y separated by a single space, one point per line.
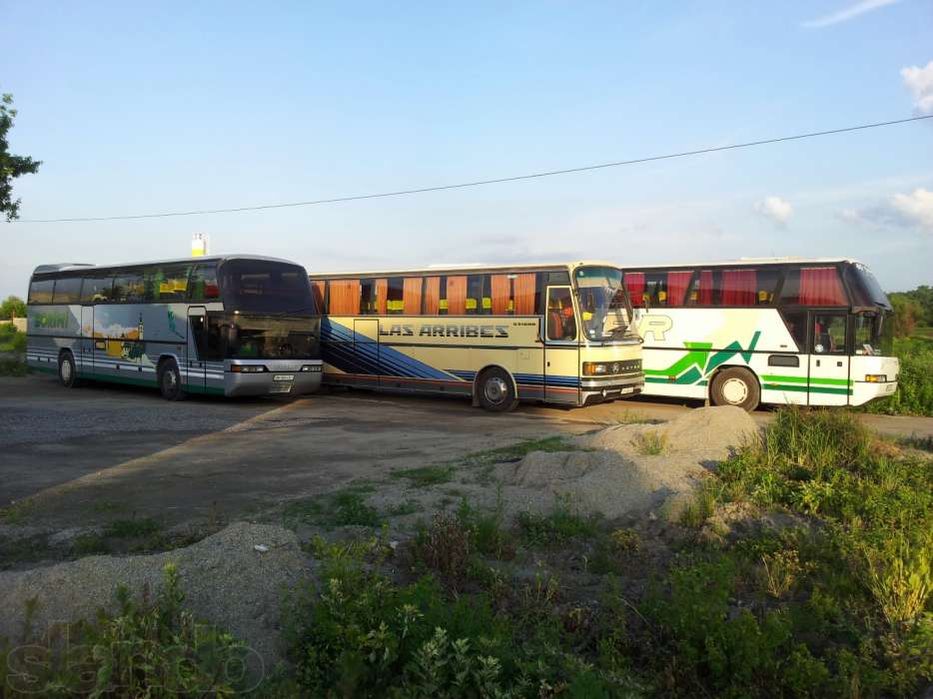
132 528
906 314
914 394
563 523
342 508
12 307
11 166
921 298
148 649
425 476
651 443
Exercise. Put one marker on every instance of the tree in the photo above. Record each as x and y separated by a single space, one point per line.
11 166
13 307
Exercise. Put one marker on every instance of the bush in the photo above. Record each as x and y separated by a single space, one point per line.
914 394
152 650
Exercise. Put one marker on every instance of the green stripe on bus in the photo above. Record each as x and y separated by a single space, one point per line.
804 389
804 379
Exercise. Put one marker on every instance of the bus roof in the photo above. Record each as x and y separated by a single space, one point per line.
85 267
478 267
763 261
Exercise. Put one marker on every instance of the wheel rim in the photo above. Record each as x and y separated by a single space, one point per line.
66 370
496 389
735 391
169 381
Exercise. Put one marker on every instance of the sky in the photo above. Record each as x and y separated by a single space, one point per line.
139 108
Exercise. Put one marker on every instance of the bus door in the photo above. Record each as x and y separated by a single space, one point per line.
829 359
561 347
195 363
366 351
86 343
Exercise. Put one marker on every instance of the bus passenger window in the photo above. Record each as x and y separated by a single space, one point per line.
478 299
203 283
394 295
411 296
67 290
561 322
456 295
40 291
526 293
129 287
501 290
367 297
677 283
167 283
97 290
432 295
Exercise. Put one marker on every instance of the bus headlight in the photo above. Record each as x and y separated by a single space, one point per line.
595 368
876 378
247 368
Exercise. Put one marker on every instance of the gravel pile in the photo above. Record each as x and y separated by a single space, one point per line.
612 475
226 582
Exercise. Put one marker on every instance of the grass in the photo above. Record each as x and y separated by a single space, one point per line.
346 507
132 528
425 476
651 443
914 394
562 524
518 451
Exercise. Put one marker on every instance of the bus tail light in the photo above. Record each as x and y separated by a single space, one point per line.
876 378
247 368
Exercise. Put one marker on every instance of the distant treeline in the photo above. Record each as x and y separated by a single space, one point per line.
912 309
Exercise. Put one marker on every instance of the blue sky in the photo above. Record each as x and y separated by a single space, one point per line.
171 106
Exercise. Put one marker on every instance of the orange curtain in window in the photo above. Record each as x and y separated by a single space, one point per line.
344 297
739 287
456 296
820 286
677 283
635 285
501 287
524 294
317 291
411 296
382 293
432 289
705 288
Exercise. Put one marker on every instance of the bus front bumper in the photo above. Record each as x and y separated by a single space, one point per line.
280 380
603 388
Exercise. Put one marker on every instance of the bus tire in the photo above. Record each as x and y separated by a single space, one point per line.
735 386
495 391
67 372
170 381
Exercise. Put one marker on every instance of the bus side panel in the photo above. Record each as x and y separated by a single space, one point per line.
50 329
118 349
164 331
684 347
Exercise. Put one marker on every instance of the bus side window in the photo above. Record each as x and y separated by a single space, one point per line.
635 286
411 296
129 287
98 289
368 293
561 321
526 293
167 284
501 290
796 323
318 289
395 295
67 290
343 297
432 296
202 285
40 290
456 295
829 333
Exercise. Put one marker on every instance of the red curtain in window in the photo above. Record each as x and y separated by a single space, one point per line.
739 287
525 294
501 287
677 283
456 296
705 289
411 296
432 288
635 285
820 286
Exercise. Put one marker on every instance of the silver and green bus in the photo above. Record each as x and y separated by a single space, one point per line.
779 330
230 326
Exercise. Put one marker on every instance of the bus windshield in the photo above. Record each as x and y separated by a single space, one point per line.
234 336
866 290
604 305
266 287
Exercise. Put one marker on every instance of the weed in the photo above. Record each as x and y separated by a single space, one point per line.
13 366
562 523
445 547
131 528
488 532
779 572
625 540
17 512
90 545
400 509
901 583
651 443
425 476
517 451
341 508
699 510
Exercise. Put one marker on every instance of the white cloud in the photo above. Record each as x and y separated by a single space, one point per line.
777 209
920 83
847 13
914 210
916 207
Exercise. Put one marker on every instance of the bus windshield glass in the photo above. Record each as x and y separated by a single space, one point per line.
266 287
234 336
866 289
604 305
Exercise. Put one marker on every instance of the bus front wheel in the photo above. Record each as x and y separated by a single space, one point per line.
736 386
496 391
170 381
67 373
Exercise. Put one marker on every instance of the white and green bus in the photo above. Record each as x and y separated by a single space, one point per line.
777 331
230 326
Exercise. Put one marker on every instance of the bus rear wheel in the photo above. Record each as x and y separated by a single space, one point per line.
170 381
67 373
736 386
496 391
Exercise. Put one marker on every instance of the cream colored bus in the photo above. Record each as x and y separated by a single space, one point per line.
558 333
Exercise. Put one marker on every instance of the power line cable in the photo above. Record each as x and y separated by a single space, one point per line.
481 183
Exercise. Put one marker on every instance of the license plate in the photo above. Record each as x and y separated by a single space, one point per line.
627 390
283 377
889 388
280 388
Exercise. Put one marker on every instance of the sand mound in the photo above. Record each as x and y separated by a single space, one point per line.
710 433
613 475
225 581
